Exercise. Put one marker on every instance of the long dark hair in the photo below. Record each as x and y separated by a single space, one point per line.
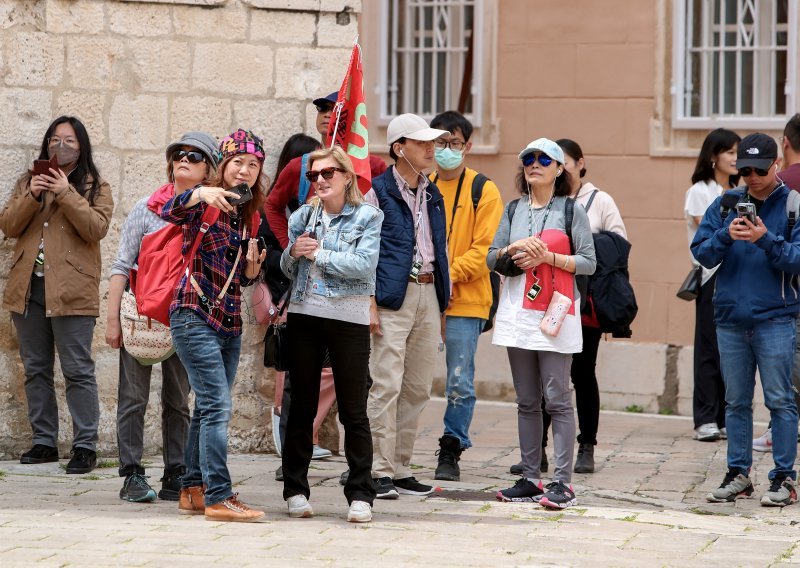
84 178
563 185
719 140
295 146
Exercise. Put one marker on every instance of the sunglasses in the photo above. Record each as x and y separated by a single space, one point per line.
326 173
744 172
543 159
192 156
324 108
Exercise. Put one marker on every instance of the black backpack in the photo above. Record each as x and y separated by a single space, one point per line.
494 279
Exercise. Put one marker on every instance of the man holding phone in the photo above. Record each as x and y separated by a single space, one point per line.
755 308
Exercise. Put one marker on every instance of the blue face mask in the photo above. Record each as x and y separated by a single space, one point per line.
448 158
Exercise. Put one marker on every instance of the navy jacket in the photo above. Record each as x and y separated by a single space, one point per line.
754 281
397 243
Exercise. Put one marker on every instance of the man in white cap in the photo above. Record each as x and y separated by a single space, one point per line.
412 292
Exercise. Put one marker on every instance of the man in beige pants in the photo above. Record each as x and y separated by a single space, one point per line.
412 291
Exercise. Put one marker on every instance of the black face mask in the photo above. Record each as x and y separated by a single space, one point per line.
64 154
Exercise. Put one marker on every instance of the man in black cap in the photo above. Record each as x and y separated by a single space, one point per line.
749 232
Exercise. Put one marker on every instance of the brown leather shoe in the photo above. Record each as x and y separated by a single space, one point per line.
232 510
191 500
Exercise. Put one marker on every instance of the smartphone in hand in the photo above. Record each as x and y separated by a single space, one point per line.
747 211
42 167
244 192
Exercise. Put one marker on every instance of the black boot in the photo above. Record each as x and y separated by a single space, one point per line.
449 453
584 463
171 484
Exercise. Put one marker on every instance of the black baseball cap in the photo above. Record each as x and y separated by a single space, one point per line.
756 151
325 101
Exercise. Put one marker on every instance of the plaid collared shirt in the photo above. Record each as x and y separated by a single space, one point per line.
211 265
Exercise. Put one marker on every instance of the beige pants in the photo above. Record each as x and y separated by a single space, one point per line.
401 366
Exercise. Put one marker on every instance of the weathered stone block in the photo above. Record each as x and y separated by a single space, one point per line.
110 169
22 13
138 122
305 73
272 120
140 19
310 5
74 16
31 116
143 173
233 68
229 22
159 65
296 28
95 63
337 30
13 163
631 368
34 59
208 114
89 107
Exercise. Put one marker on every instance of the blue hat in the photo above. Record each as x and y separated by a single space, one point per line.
545 146
332 98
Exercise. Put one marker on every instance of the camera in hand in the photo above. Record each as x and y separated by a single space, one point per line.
243 191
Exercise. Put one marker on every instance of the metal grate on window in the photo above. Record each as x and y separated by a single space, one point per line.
429 57
736 58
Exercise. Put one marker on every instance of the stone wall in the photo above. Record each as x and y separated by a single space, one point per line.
138 74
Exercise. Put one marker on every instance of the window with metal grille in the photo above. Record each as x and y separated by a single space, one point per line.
429 61
734 61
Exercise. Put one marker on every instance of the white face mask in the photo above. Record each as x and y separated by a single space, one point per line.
448 158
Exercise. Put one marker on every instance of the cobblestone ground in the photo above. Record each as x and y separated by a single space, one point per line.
644 506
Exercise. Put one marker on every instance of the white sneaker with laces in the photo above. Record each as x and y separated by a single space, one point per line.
707 432
360 512
299 507
320 453
764 443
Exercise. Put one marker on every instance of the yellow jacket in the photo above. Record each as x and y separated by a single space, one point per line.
468 243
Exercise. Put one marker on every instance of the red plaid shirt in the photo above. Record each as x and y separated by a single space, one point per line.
211 265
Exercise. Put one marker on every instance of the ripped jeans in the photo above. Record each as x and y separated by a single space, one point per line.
461 343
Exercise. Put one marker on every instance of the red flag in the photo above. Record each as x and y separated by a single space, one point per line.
349 120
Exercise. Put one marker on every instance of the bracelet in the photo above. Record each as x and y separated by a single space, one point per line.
566 261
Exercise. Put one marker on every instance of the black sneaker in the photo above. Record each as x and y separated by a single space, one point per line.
279 473
344 477
449 453
558 496
410 486
83 460
170 487
136 489
524 491
39 453
516 469
384 488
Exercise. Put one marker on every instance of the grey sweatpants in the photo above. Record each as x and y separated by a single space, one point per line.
537 374
39 337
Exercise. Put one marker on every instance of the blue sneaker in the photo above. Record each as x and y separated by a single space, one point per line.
136 489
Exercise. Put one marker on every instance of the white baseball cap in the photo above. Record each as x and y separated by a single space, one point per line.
544 146
413 127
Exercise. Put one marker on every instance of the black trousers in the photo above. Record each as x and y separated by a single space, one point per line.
587 392
708 404
349 348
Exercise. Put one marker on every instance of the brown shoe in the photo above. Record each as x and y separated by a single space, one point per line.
232 510
191 500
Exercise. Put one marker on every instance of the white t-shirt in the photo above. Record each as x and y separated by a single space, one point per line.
698 198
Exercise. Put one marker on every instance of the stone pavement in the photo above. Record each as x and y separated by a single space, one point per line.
645 506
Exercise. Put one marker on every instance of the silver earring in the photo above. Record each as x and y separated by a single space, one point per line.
713 165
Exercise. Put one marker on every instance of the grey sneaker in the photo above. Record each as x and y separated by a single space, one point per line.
707 432
734 485
782 492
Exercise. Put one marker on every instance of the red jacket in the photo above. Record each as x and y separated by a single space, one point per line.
285 190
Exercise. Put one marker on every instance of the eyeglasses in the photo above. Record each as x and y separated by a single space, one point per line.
326 173
325 107
745 172
543 159
454 144
191 155
55 141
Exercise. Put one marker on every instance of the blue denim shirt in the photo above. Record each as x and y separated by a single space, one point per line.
348 256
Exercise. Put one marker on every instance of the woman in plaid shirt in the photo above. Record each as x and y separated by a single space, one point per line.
206 323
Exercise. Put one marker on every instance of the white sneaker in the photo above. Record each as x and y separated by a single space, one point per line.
276 431
723 433
299 508
320 453
360 512
707 432
764 443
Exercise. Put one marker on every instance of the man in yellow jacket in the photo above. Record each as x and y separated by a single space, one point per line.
473 207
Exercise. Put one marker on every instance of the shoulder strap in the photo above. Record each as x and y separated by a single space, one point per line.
303 184
729 201
591 198
792 206
569 214
477 189
512 208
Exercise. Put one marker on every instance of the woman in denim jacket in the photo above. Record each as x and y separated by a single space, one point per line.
331 258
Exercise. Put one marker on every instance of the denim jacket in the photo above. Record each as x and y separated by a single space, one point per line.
348 255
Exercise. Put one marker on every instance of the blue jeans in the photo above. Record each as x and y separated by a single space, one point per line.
768 346
210 361
461 343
